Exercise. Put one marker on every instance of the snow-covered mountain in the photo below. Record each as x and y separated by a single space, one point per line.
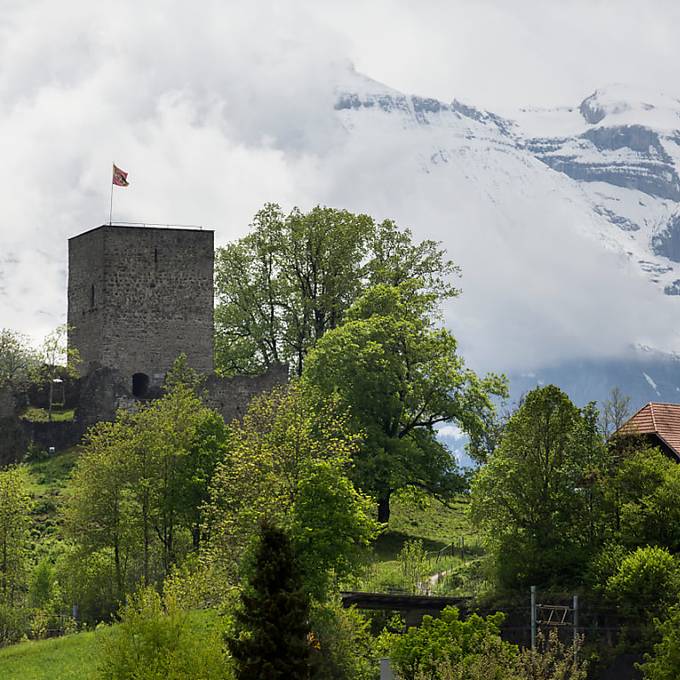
605 172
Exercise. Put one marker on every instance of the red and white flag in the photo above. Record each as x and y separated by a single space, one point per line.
120 177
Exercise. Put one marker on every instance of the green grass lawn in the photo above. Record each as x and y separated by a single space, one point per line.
41 415
73 657
441 530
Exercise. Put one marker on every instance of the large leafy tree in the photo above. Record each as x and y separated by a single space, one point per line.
540 498
292 278
288 462
400 375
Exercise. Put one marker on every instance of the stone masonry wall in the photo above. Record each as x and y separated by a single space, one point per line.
7 403
155 302
85 297
231 396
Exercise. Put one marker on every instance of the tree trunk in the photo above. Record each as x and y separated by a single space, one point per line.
384 508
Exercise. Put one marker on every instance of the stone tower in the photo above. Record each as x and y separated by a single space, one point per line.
138 297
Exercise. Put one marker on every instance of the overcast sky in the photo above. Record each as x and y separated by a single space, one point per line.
216 107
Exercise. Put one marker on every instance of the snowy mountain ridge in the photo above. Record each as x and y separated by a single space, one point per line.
620 147
607 169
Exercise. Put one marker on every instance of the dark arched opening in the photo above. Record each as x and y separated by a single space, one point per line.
140 385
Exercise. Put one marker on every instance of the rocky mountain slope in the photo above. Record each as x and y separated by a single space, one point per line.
604 172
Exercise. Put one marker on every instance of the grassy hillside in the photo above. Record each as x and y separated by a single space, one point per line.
450 542
68 658
451 545
48 479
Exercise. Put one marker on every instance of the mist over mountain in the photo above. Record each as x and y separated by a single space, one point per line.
565 221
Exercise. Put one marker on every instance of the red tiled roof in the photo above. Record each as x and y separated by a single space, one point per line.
663 420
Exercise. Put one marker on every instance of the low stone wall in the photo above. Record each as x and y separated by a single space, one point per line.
7 403
61 435
231 396
13 441
102 392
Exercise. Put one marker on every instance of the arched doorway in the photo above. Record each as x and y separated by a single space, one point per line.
140 385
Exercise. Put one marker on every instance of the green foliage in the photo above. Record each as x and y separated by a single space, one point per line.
271 638
646 584
88 579
664 662
419 517
413 562
15 623
447 639
288 461
43 588
481 654
345 648
291 279
157 640
331 523
648 484
551 660
400 376
137 492
15 509
19 362
539 499
604 564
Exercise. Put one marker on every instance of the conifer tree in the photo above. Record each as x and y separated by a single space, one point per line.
271 641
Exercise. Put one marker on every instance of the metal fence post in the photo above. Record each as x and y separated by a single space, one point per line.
575 624
533 617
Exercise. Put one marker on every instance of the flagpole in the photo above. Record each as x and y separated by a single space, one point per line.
111 204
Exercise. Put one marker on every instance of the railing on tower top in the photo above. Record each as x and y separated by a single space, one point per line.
156 224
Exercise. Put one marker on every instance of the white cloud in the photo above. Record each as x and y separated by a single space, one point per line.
218 107
451 432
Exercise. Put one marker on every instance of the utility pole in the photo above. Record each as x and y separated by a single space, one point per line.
533 617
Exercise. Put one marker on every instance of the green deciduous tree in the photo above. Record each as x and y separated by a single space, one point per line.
539 499
645 585
664 662
271 639
138 489
19 362
15 509
646 487
400 375
288 461
291 279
